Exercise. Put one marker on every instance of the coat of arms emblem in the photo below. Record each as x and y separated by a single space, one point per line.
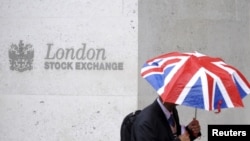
21 57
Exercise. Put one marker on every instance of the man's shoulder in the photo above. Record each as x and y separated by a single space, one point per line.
150 108
149 113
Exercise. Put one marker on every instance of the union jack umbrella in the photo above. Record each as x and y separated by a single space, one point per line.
196 80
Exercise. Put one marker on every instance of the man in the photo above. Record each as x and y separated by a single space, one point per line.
153 124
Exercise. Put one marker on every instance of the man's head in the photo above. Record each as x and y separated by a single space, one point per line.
168 105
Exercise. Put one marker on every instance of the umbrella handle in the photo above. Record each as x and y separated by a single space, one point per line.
195 113
195 117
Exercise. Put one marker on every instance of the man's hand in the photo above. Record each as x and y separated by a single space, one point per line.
184 137
194 126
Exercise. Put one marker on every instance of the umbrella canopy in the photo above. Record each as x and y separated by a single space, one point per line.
196 80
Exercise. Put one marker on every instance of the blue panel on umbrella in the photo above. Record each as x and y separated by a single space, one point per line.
195 97
218 97
157 80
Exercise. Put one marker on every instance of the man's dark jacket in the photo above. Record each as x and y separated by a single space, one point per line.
152 125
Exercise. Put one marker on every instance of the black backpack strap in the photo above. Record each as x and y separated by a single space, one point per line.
126 126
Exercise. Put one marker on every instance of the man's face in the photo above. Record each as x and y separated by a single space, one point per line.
169 106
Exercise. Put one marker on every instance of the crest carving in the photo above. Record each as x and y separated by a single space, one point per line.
21 57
